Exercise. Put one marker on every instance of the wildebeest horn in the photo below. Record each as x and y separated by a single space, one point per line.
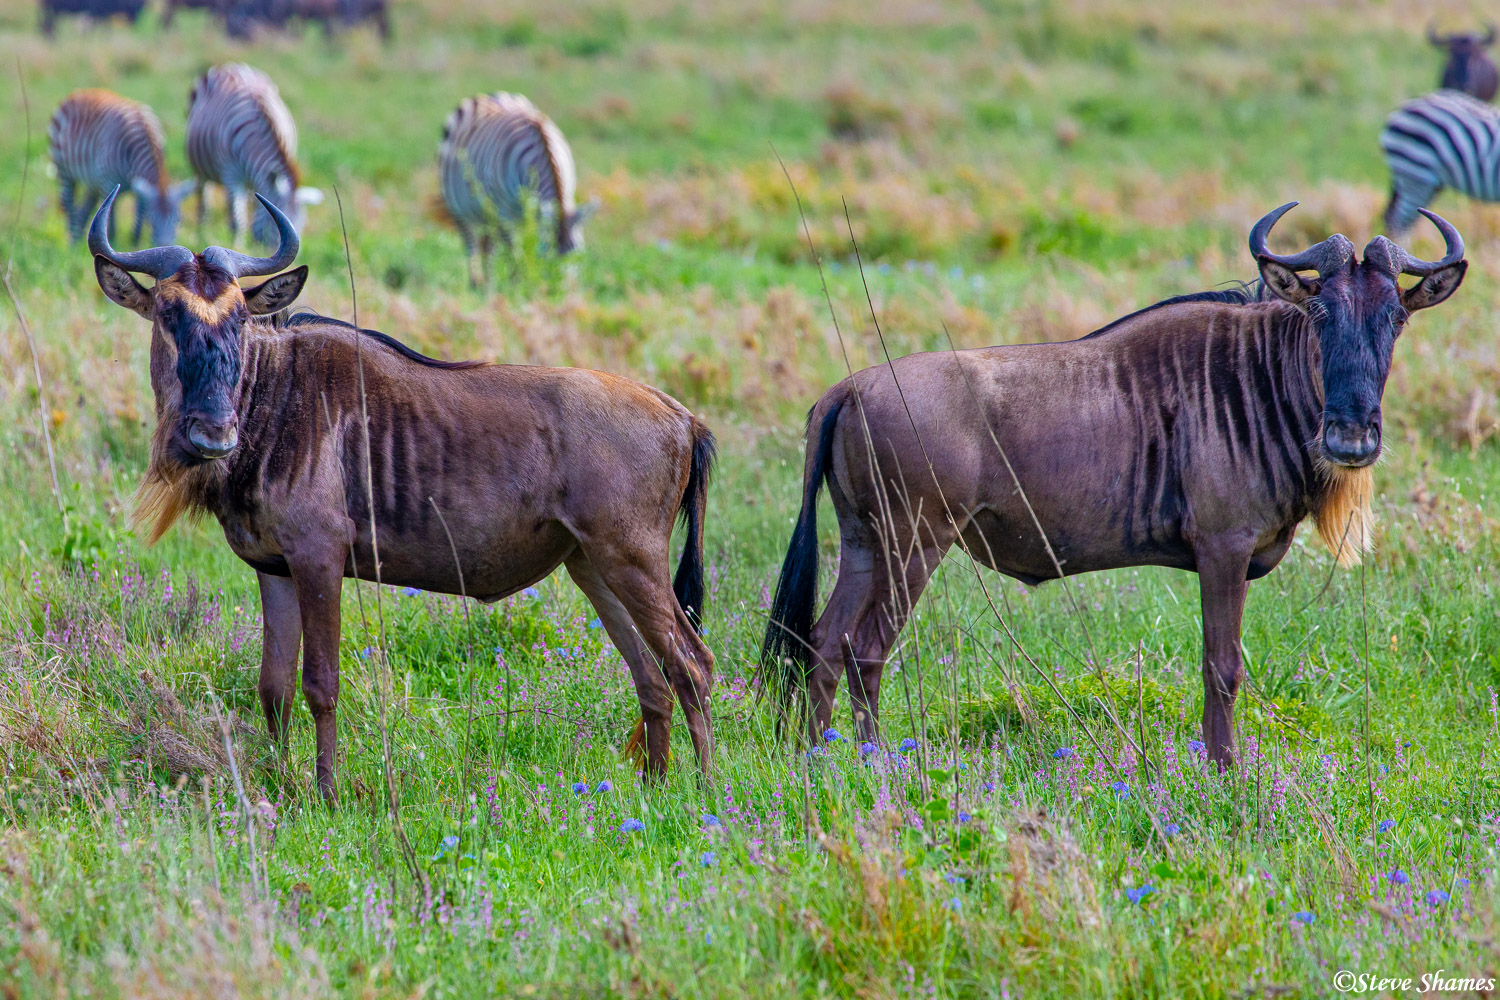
159 262
1396 260
1489 34
1324 258
243 265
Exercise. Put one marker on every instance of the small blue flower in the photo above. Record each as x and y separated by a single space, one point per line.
1386 824
709 819
1383 769
1062 753
955 904
815 752
831 735
632 826
1436 897
1171 829
364 654
450 841
603 786
708 859
964 817
531 592
1136 895
580 787
1304 916
953 879
988 786
596 623
1398 876
1197 746
908 744
1121 789
409 591
865 749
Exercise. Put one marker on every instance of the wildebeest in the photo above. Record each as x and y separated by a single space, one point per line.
100 140
96 9
1444 139
1469 68
241 135
242 17
1196 434
526 467
494 147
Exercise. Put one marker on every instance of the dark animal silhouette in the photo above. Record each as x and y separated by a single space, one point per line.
483 478
1194 434
1469 67
99 10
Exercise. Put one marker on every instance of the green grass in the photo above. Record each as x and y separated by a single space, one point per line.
1015 171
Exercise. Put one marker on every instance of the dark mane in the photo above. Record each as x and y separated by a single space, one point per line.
1240 294
307 317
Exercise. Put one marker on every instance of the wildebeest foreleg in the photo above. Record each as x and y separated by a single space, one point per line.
281 637
319 586
1221 581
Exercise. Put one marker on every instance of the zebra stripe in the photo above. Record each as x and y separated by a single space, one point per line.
495 146
1446 139
241 135
98 140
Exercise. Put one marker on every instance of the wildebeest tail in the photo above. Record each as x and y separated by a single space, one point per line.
785 653
687 584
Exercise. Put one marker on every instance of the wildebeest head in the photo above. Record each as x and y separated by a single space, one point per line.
198 313
1358 310
1469 68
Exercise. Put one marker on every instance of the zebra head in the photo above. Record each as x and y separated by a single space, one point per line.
1357 310
163 207
198 313
570 233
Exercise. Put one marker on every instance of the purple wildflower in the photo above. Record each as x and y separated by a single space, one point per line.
580 787
603 786
1136 895
1386 824
1304 916
632 826
1062 753
1436 897
709 819
708 859
908 744
832 735
1398 876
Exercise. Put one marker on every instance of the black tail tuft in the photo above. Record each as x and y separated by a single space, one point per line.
688 583
785 653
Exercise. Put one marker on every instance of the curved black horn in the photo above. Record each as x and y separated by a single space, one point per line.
1454 253
159 262
243 265
1325 257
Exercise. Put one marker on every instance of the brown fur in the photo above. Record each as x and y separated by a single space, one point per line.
529 468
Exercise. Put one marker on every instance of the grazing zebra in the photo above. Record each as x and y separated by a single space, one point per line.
241 135
1445 139
99 140
494 147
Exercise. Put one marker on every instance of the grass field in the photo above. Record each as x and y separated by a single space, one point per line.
1014 171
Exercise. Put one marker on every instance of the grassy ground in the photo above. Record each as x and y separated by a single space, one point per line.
1014 170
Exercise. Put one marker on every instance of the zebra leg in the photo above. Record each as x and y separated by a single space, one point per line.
239 213
1407 195
486 254
201 190
140 220
470 248
66 188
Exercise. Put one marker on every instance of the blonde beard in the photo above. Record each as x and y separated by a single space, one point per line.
1342 513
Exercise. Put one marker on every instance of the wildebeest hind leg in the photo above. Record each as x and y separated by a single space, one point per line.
651 688
281 637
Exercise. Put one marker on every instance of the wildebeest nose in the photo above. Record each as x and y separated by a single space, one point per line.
212 438
1351 444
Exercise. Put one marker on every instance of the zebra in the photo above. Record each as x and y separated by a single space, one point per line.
241 135
495 146
98 140
1443 139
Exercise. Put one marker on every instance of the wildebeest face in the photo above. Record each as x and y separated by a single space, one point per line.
1358 309
199 314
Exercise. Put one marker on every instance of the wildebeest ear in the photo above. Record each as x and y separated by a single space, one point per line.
275 294
123 289
1435 287
1287 284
